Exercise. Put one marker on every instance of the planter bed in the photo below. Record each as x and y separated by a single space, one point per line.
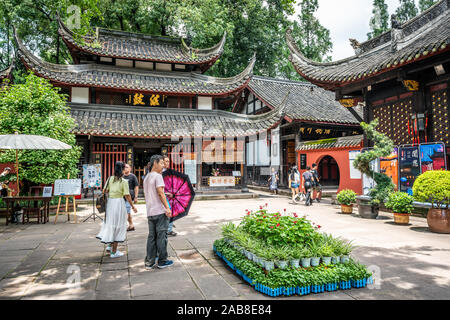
289 290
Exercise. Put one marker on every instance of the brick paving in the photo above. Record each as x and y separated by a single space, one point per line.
36 261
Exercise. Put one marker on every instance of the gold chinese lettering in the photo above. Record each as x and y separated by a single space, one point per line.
319 131
154 100
138 99
327 131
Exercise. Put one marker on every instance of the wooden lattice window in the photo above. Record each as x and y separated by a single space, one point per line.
401 113
439 100
383 114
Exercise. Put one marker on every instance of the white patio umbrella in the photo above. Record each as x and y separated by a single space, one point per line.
29 142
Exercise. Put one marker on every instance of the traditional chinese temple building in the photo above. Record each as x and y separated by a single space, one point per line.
401 77
134 95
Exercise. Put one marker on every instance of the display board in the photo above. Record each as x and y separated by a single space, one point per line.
190 168
409 164
67 187
368 182
354 173
92 175
275 147
432 157
302 161
389 166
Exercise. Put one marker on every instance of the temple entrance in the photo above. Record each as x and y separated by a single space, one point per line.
141 159
328 170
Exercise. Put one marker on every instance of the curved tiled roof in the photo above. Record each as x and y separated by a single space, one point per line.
128 45
341 142
307 102
99 75
109 120
423 36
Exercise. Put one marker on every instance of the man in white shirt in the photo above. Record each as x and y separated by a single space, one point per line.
158 215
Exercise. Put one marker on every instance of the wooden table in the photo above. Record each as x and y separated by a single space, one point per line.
10 205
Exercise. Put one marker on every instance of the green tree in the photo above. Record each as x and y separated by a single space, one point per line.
379 23
35 107
425 4
406 11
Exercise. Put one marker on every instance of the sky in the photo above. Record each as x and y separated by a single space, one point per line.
347 19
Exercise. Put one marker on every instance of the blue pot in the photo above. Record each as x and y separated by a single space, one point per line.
306 262
295 263
326 260
269 265
345 259
315 261
335 260
282 264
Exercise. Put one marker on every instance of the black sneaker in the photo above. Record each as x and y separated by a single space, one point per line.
150 266
166 264
171 234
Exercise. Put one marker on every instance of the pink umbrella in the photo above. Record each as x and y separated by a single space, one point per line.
179 192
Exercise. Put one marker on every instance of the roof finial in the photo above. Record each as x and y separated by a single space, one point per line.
355 45
396 32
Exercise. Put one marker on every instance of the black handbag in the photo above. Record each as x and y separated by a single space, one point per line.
101 201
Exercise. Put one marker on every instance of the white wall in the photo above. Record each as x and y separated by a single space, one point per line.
204 103
163 67
106 59
124 63
80 94
144 65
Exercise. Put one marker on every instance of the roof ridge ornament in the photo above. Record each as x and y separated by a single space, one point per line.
396 32
356 45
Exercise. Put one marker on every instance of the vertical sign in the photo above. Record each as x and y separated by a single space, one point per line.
92 176
190 168
354 173
432 157
389 166
302 161
409 164
275 147
368 182
130 155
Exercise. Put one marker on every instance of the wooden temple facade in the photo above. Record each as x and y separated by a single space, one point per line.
401 77
133 95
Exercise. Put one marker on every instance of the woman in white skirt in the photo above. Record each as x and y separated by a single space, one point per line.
114 228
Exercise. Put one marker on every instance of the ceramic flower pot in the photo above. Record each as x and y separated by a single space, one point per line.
345 259
269 265
346 209
326 260
295 263
367 211
282 264
439 220
335 260
401 218
306 262
315 261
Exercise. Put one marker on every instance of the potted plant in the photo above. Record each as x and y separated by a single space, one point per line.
305 257
434 187
326 252
383 146
401 204
346 198
283 257
296 254
347 248
314 249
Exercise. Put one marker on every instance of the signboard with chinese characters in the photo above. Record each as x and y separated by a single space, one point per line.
222 181
67 187
303 161
409 164
92 175
152 100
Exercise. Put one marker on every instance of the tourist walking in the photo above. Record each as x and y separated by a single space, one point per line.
170 231
317 187
158 215
294 182
307 184
273 181
114 228
133 185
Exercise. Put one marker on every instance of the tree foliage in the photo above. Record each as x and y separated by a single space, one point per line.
37 108
383 147
406 11
379 23
425 4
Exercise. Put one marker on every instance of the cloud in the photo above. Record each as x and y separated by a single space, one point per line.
347 19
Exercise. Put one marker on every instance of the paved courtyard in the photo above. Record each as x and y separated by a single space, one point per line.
36 261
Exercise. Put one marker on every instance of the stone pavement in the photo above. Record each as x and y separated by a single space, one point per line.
37 261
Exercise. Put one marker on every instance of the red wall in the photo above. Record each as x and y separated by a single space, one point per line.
342 158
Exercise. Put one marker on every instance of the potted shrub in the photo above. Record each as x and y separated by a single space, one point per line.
283 254
296 254
346 198
401 205
434 187
326 252
314 249
383 147
347 248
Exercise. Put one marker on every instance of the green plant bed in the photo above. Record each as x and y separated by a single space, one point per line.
293 280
